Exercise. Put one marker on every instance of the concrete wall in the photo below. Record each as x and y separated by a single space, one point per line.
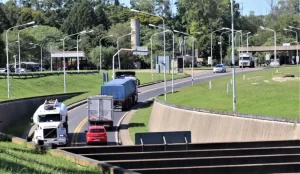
14 110
206 127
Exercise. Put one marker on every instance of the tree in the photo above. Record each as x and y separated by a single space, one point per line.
81 17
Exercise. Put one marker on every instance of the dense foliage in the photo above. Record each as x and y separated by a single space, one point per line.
58 18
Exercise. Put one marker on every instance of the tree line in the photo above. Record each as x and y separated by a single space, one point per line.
58 18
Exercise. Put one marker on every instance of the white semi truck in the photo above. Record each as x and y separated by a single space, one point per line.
246 60
100 110
50 124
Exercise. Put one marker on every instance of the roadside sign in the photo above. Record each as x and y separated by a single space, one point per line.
286 44
138 48
141 53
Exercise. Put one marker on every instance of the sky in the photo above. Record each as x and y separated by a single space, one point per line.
260 7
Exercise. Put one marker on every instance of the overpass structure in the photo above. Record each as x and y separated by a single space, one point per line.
288 58
267 48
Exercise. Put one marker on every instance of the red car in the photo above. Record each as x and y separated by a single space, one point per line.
96 135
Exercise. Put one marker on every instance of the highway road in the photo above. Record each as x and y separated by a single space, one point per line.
78 119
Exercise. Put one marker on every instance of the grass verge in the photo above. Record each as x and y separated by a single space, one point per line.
140 120
22 88
16 158
258 94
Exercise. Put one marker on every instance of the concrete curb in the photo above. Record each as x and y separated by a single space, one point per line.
124 125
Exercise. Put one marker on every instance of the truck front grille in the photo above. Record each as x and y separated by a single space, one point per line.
50 133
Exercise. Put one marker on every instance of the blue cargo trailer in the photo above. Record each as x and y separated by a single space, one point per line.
123 91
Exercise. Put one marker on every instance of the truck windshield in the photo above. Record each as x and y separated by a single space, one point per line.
49 118
244 58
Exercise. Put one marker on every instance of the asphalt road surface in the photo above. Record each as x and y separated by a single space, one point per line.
78 117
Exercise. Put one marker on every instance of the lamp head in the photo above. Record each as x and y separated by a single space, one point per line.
29 23
135 11
82 32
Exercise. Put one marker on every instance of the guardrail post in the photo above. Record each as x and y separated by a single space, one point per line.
186 143
142 144
165 143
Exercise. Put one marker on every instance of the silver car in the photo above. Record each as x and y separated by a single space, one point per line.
3 70
219 68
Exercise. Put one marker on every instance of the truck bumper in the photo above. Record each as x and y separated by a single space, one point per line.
58 142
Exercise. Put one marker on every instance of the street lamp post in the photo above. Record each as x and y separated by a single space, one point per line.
211 53
193 57
221 45
268 29
100 61
173 52
113 60
233 60
296 40
7 56
248 40
151 39
64 58
118 48
41 69
19 45
78 46
165 81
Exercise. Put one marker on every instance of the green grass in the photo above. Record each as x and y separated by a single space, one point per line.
20 159
90 84
140 120
254 95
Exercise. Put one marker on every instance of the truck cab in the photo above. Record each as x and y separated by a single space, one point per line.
50 133
50 124
127 75
246 60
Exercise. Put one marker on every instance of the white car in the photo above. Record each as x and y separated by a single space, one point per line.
3 70
219 68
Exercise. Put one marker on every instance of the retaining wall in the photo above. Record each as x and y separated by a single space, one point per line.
207 127
15 110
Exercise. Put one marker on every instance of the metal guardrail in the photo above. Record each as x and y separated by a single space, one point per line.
44 74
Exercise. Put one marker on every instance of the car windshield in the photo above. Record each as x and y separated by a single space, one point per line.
96 130
219 66
244 58
49 118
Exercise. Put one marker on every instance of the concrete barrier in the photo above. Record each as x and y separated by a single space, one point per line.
15 110
207 127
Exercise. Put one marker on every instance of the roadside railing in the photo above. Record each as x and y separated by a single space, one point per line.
44 74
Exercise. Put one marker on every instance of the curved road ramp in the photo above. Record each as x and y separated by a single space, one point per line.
230 157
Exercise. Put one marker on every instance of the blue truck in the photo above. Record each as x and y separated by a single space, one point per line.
124 92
